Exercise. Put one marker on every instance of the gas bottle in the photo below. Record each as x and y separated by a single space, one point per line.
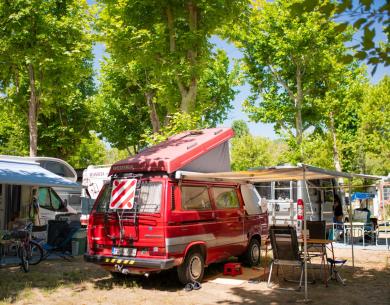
300 207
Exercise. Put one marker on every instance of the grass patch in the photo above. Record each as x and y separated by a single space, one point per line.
48 276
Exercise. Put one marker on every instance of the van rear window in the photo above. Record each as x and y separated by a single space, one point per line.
149 200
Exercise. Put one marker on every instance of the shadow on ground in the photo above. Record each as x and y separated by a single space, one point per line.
371 285
47 276
363 286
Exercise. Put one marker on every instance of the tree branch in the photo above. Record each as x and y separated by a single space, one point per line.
282 82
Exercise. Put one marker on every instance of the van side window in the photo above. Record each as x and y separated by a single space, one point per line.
195 198
225 198
104 199
44 198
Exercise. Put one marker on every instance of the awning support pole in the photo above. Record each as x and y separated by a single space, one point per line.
350 221
305 236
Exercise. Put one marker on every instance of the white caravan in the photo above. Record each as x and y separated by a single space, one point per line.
18 179
318 195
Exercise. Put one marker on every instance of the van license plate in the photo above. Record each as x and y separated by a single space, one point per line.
124 251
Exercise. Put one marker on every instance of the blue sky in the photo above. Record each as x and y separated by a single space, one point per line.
259 129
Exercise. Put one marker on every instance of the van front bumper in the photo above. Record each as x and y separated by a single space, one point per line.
151 263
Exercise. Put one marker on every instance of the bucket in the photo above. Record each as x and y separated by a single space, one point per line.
79 242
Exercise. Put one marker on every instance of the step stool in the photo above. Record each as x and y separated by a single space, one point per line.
232 269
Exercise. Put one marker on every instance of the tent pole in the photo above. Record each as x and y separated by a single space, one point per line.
305 236
350 221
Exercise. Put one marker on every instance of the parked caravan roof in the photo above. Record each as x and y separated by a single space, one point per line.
54 165
184 151
21 172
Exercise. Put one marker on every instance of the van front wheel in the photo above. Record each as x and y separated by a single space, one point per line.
192 269
252 254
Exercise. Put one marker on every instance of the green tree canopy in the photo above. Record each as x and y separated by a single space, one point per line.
248 151
162 51
290 61
240 128
45 47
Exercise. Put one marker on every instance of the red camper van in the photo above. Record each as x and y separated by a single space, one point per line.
147 219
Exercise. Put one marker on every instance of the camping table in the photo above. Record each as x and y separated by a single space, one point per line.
357 230
323 244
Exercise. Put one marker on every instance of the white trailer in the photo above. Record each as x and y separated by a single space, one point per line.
94 177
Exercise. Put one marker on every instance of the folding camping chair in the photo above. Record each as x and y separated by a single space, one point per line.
285 251
317 230
59 238
383 232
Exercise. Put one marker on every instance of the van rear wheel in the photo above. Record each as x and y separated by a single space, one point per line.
192 269
252 255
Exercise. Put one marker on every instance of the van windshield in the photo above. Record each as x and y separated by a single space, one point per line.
149 200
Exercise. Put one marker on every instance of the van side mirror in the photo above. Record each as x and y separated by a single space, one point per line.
65 203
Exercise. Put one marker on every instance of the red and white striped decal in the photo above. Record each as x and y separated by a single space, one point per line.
123 193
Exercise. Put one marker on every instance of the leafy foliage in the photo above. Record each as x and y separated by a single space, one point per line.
163 54
248 151
374 129
240 128
90 151
45 55
288 60
367 17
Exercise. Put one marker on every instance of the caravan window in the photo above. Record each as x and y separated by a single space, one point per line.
386 192
328 190
57 168
265 190
282 190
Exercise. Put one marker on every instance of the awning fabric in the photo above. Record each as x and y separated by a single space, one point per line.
30 173
277 173
361 196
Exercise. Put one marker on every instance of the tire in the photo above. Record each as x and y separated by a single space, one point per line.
192 269
22 253
35 253
252 255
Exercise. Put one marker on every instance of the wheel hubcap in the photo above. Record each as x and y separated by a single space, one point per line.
195 267
255 253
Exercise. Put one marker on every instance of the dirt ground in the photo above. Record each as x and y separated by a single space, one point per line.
76 282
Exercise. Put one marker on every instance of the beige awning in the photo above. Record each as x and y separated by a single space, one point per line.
276 173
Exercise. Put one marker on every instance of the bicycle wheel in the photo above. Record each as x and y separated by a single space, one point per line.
35 254
22 253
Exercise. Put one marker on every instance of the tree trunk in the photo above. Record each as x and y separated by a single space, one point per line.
152 112
171 28
188 96
33 113
336 155
187 92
